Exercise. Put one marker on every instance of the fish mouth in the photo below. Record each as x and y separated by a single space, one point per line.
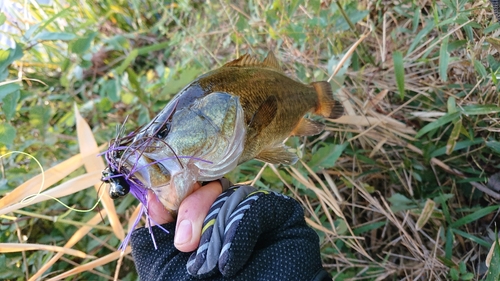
167 178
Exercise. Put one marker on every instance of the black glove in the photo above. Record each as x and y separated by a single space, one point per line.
247 235
496 8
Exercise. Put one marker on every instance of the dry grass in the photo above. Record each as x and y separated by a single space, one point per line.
401 202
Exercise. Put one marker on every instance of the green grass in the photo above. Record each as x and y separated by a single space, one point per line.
403 186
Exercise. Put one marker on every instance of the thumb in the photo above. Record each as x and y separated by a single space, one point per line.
192 213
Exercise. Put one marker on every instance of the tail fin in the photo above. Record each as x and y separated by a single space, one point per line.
327 105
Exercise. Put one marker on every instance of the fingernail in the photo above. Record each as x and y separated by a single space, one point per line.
183 232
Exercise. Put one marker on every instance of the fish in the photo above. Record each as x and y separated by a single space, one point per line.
244 110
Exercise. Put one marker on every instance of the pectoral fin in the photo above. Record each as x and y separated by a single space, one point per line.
263 116
308 127
277 155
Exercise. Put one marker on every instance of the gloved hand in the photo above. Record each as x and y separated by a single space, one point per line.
247 235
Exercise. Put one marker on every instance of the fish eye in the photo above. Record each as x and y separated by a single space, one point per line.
163 132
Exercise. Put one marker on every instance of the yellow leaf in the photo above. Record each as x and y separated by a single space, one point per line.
79 234
94 163
20 247
93 264
33 185
426 214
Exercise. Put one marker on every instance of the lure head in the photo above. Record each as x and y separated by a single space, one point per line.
119 186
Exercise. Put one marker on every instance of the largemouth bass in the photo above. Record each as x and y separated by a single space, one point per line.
243 110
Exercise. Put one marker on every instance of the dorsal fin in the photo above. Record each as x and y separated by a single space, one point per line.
272 62
247 60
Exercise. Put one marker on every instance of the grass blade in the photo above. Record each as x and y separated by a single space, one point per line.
68 187
399 71
33 185
480 109
452 140
426 214
443 120
19 247
472 238
93 264
493 262
79 234
474 216
444 59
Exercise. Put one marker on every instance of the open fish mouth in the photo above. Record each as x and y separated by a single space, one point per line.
130 171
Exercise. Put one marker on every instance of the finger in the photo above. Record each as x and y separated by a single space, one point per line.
192 212
156 210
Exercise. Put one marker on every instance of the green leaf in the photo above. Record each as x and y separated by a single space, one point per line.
458 146
452 105
368 227
326 156
9 56
2 18
441 121
134 82
429 26
468 276
492 28
480 109
7 89
81 45
442 198
474 216
32 30
448 247
61 14
494 145
7 133
472 238
141 51
454 274
112 90
444 59
399 202
493 273
462 267
479 67
53 36
399 70
10 272
454 45
39 117
153 48
131 57
9 104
